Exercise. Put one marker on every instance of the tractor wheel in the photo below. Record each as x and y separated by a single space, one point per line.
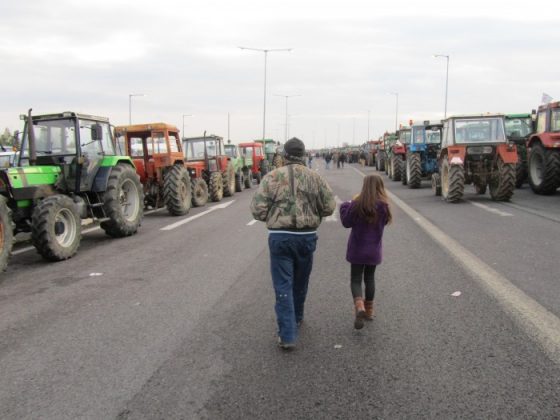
480 188
199 190
544 170
436 185
6 233
177 190
228 178
56 228
258 177
122 202
277 161
248 179
502 184
381 164
402 165
216 186
452 182
388 169
396 168
239 181
520 173
386 164
414 170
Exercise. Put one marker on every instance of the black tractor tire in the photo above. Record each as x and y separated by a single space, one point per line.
414 170
228 178
521 173
436 185
452 182
380 162
502 185
248 181
396 162
402 165
199 190
6 233
56 228
216 186
123 202
386 164
480 188
239 181
544 170
177 190
265 167
258 177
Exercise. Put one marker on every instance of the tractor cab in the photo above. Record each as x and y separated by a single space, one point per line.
519 127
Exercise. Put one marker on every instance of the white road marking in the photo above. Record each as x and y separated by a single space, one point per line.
333 217
489 209
22 250
534 319
196 216
252 222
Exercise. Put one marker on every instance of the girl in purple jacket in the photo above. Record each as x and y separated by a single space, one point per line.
367 214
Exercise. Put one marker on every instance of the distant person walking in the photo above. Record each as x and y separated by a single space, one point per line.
342 159
328 158
367 214
292 200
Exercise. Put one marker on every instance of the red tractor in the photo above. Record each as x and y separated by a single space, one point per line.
207 160
543 149
156 152
254 158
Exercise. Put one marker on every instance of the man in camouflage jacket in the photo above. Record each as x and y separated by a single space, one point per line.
292 200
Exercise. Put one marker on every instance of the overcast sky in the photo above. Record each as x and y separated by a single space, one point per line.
347 58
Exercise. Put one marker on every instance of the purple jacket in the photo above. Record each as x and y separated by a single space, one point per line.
364 243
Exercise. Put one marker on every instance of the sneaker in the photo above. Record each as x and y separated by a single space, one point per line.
286 346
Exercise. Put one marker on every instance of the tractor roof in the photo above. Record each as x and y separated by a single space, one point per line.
486 115
549 105
145 127
250 144
512 116
67 114
209 137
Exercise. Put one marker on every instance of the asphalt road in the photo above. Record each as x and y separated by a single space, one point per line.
179 324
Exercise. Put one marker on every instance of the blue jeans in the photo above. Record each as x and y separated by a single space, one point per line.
291 261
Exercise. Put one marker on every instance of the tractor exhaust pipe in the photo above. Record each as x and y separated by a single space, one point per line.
31 137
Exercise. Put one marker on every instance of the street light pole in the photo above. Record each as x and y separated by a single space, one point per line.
286 127
397 109
446 81
185 115
367 126
265 51
130 95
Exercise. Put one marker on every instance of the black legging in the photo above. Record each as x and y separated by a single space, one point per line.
368 272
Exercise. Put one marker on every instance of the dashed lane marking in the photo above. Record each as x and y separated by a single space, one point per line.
196 216
534 319
490 209
252 222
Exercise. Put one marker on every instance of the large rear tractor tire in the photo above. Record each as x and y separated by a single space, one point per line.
396 168
436 185
177 191
56 228
123 202
248 181
216 186
228 178
199 190
544 170
502 184
452 182
6 233
414 170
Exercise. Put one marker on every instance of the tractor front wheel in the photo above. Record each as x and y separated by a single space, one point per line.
228 178
177 191
396 168
436 185
199 190
452 182
216 186
6 233
122 202
414 170
502 184
248 179
544 170
56 228
239 181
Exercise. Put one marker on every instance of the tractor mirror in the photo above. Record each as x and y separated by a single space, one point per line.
96 132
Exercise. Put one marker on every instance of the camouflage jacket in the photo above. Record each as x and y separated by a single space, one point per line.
297 205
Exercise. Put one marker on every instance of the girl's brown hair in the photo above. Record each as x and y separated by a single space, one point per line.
373 190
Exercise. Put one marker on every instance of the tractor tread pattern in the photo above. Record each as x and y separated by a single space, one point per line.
8 230
551 176
456 183
505 184
216 186
176 205
415 175
396 168
228 178
199 192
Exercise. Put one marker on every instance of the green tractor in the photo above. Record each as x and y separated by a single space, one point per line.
67 171
519 127
273 153
242 174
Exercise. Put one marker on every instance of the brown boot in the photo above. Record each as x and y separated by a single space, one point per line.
360 313
370 312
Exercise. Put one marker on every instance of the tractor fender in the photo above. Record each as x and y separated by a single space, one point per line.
102 176
456 155
508 152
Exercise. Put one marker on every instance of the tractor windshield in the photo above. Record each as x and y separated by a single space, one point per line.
52 137
519 127
194 150
555 119
230 150
91 147
404 136
247 151
433 136
483 130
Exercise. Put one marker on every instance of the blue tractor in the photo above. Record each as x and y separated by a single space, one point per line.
422 153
